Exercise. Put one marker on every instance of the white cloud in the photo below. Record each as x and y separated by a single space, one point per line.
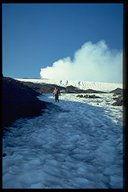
92 62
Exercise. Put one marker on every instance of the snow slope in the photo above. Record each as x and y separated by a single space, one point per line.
77 144
80 84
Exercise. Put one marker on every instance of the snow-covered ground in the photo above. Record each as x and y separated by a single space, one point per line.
77 144
80 84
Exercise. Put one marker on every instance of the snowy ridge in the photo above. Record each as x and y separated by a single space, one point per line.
99 86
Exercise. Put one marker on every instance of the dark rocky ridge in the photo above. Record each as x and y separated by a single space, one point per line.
48 88
43 87
117 91
18 101
72 89
93 91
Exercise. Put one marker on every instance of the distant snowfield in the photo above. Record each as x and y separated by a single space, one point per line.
79 146
80 84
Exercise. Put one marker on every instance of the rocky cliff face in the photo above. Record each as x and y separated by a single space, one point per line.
18 101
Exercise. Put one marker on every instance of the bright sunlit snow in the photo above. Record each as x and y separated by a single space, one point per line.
79 146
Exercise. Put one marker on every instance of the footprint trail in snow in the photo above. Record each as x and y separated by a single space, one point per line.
72 145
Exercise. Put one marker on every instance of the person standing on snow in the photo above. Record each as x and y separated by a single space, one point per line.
56 93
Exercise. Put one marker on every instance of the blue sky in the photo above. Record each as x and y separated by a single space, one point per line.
34 36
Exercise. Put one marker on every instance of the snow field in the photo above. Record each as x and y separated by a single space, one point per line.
76 146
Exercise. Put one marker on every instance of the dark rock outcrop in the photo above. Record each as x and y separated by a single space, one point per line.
72 89
88 96
80 96
43 87
118 101
4 154
118 97
93 91
49 88
117 91
18 101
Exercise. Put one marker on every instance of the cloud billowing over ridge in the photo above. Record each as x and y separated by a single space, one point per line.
92 62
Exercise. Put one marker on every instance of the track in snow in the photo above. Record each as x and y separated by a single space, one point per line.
77 146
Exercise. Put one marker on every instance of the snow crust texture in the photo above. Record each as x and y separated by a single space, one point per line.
76 144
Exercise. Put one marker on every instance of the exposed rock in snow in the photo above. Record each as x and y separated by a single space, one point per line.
119 101
117 91
88 96
19 101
